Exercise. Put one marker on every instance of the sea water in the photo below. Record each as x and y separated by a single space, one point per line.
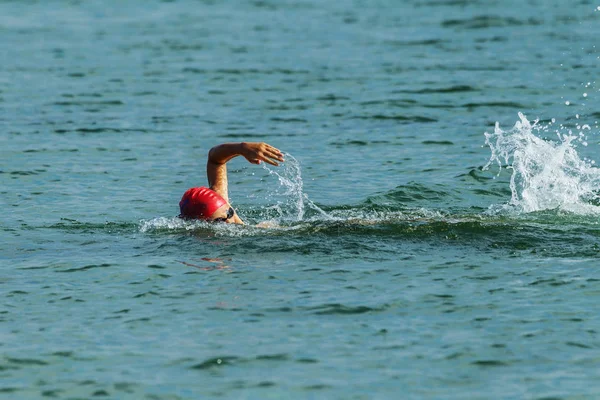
433 232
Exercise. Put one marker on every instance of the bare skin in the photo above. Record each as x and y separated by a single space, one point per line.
216 168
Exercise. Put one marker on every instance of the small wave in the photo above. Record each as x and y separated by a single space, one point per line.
450 89
331 309
438 142
248 71
496 104
412 193
24 173
72 225
230 360
85 268
89 103
403 118
291 119
489 21
426 42
355 142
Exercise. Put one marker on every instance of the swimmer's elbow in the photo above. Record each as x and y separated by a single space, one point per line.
221 153
212 155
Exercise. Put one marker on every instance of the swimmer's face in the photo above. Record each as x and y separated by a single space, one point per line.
224 213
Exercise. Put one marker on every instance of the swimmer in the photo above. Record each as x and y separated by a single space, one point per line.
212 204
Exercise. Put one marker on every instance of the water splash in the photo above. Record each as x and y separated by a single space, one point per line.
546 175
172 223
203 228
338 220
292 202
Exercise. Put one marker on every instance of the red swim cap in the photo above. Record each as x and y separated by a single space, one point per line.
200 202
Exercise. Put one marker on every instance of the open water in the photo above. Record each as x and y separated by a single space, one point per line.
418 250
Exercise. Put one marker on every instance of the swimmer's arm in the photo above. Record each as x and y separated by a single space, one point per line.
218 156
216 168
254 152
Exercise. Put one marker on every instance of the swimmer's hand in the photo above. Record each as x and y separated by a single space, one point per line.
268 224
255 152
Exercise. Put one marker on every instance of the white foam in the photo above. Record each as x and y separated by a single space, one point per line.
546 175
161 223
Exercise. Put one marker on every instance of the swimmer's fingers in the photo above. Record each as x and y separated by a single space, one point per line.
274 154
257 152
274 150
267 160
260 159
